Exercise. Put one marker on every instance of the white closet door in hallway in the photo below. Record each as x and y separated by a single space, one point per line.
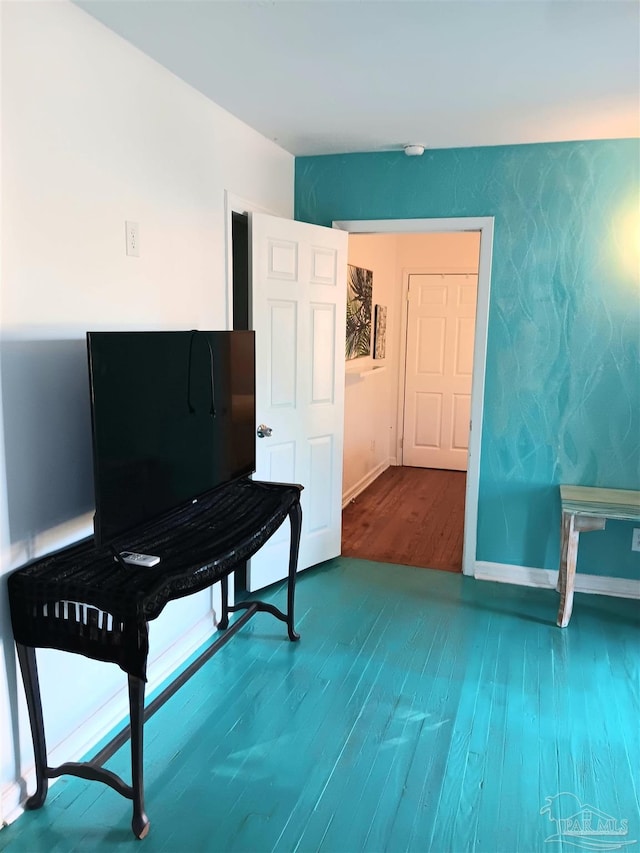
439 367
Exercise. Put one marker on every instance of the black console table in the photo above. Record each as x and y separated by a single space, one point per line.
82 599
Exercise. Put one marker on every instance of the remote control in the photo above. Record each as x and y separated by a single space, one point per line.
146 560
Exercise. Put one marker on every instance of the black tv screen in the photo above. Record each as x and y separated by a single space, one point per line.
173 416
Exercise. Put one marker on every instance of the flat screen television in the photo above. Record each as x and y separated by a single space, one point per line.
173 416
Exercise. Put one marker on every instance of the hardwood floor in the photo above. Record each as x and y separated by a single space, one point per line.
420 712
411 516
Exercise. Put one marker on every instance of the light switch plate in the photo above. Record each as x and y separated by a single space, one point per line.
133 239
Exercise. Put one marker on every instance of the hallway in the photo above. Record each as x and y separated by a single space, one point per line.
411 516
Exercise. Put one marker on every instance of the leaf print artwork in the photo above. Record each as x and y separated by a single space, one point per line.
359 296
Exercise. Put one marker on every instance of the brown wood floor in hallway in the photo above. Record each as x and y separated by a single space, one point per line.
412 516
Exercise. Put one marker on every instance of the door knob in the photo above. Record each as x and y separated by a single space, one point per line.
264 431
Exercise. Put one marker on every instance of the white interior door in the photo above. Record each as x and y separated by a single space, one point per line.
298 314
439 368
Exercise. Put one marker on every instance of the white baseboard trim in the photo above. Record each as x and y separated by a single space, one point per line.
105 719
362 484
547 579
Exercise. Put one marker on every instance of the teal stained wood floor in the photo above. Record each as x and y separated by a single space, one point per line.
421 711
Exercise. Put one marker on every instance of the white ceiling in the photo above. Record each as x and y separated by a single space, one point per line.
333 76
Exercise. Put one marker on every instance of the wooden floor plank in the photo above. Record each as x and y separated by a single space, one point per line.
343 711
375 742
473 716
390 735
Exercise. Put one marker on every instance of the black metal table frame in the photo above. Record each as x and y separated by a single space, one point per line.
93 770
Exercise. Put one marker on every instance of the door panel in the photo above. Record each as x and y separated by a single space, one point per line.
282 462
323 337
298 313
283 323
439 366
430 346
428 421
320 485
461 418
464 347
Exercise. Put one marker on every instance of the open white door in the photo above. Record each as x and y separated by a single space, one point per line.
298 314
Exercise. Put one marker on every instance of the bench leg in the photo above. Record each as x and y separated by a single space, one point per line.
572 526
567 572
29 669
140 822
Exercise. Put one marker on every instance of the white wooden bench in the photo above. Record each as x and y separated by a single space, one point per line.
585 508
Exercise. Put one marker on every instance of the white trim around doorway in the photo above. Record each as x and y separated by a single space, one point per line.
483 224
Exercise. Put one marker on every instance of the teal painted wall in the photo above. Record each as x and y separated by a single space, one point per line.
562 398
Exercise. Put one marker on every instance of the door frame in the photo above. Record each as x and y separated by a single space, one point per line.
233 203
485 225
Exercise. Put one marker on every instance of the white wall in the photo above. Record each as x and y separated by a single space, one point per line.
373 400
453 252
370 404
95 133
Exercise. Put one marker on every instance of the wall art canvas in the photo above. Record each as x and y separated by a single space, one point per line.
380 332
359 295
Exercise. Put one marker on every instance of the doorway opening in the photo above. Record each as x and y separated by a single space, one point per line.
474 354
240 320
483 225
413 512
240 270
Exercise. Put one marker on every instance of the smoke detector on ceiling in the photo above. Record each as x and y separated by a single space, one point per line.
414 150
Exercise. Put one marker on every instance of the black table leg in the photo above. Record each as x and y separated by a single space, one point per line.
140 822
29 669
295 517
223 622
